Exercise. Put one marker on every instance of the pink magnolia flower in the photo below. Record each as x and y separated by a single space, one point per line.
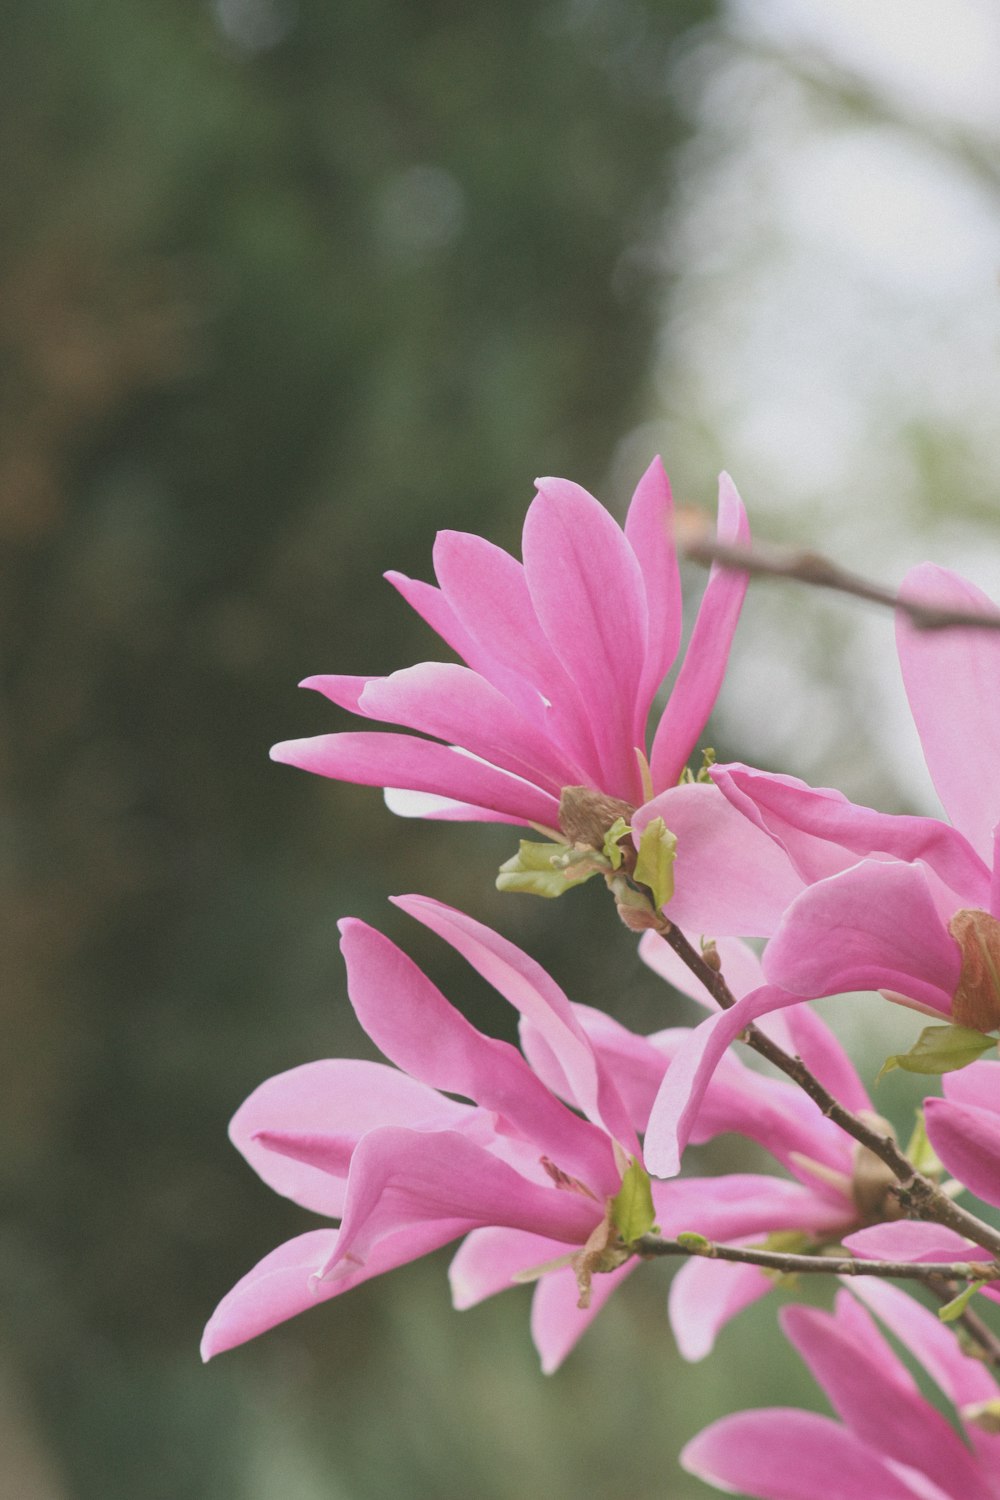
890 1442
527 1172
964 1128
905 905
563 655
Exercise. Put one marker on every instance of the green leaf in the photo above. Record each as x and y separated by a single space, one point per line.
940 1049
920 1151
956 1307
691 1241
533 871
632 1207
618 830
655 866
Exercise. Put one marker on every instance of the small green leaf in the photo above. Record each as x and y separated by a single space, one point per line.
956 1307
920 1151
533 870
655 866
618 830
632 1207
940 1049
691 1241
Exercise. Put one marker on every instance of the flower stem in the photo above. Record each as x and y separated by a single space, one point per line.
918 1196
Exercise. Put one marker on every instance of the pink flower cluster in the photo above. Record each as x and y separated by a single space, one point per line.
552 1162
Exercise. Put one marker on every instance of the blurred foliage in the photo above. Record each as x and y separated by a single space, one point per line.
284 288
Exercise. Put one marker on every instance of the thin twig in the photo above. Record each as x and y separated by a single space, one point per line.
919 1197
820 572
829 1265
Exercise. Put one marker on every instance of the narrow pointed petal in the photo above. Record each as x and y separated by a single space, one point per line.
951 679
964 1380
823 833
649 530
459 706
785 1454
705 1295
874 927
409 1019
535 994
372 759
967 1139
487 1261
432 605
340 1098
700 677
874 1395
679 1099
487 590
730 879
589 597
557 1323
285 1283
401 1179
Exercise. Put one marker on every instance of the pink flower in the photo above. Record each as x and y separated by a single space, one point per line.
905 905
890 1442
563 656
528 1172
964 1128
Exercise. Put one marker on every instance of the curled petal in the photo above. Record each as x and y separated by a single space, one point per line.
967 1139
700 677
873 927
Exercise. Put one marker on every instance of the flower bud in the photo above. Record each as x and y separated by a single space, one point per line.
872 1180
585 815
977 999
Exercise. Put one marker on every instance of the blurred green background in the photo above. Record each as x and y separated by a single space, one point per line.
284 288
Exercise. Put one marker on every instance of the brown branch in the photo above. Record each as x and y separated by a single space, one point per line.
919 1197
820 572
790 1264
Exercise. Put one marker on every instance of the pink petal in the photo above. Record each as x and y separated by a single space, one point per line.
557 1323
487 1261
441 809
402 760
962 1379
730 879
341 1099
978 1085
967 1139
649 530
873 927
819 1049
432 606
823 833
679 1099
405 1178
705 1295
910 1240
589 597
539 999
285 1283
415 1026
873 1394
951 679
784 1454
488 593
700 678
738 1205
458 706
